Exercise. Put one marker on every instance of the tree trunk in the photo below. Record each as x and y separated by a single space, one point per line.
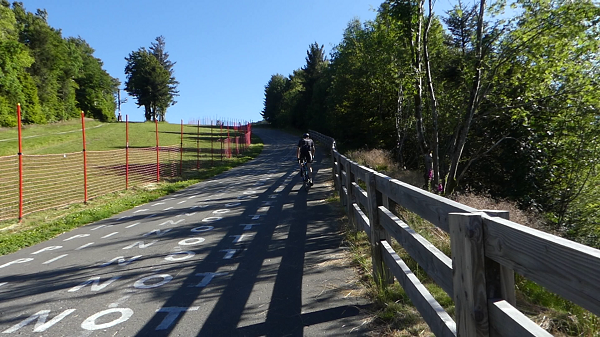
417 66
400 129
461 139
433 104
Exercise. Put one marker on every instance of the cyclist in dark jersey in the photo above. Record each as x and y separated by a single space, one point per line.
306 150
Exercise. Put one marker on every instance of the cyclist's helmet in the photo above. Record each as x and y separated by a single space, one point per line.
306 135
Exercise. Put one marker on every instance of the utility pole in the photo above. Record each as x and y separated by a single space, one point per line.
119 101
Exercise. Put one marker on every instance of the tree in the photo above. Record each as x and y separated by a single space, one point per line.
16 86
157 49
274 91
313 72
148 81
96 89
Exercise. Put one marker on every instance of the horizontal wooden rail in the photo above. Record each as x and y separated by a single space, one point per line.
440 323
567 268
487 249
433 261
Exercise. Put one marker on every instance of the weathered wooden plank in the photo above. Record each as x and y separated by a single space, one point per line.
500 279
435 263
440 323
468 279
429 206
380 271
350 195
360 172
564 267
343 160
362 220
344 178
321 137
360 195
506 320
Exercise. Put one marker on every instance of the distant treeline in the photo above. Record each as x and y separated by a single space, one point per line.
54 78
502 101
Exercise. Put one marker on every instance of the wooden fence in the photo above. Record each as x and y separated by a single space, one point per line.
487 250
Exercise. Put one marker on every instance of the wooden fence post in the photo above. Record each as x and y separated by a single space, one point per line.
500 279
338 180
333 152
380 271
468 274
350 197
390 205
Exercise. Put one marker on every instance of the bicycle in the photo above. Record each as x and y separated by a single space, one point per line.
304 174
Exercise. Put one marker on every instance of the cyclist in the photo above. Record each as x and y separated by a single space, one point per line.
306 150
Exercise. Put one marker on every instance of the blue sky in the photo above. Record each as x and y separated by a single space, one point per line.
226 51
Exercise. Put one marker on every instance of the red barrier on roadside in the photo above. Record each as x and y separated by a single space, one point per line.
181 151
126 152
85 191
157 159
31 183
20 162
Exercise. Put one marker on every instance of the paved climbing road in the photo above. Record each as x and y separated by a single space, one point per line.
247 253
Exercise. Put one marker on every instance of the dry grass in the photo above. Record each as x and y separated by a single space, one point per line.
381 161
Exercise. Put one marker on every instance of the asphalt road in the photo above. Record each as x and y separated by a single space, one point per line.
247 253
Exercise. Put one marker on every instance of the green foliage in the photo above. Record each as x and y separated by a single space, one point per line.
150 79
53 78
507 105
274 91
96 90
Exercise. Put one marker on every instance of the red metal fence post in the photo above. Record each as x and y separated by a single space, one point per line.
126 152
84 159
157 149
20 163
221 139
181 151
228 142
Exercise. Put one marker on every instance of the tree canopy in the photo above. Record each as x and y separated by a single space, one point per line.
150 79
53 78
502 104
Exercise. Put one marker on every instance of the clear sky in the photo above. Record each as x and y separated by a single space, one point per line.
226 51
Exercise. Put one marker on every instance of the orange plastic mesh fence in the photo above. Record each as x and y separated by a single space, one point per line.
9 187
56 180
105 172
52 180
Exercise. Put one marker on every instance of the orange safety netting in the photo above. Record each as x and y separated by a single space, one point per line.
56 180
9 187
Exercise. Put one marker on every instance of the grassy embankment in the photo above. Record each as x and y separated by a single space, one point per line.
66 137
396 315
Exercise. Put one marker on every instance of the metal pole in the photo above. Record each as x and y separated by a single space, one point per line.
20 163
157 149
181 151
126 152
84 159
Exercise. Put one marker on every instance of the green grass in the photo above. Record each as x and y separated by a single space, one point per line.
44 225
66 137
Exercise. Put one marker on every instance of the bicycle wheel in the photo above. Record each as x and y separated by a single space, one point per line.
305 180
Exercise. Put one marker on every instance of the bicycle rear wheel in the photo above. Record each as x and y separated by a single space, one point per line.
305 178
